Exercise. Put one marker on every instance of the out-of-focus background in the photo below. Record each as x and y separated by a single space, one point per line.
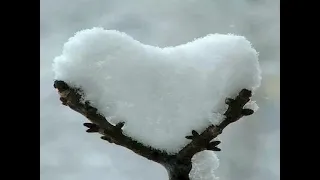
250 147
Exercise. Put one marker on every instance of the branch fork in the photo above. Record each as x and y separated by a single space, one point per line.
179 164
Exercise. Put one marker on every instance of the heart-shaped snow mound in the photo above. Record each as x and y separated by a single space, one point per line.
161 93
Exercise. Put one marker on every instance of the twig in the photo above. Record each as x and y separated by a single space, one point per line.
72 97
234 112
178 165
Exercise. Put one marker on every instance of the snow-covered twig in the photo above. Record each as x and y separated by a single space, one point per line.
72 97
177 165
165 104
201 141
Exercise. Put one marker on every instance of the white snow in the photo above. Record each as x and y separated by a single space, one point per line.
161 93
204 164
252 105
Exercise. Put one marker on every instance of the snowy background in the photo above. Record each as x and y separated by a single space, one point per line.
250 148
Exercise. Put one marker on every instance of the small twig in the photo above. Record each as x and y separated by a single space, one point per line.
202 142
113 134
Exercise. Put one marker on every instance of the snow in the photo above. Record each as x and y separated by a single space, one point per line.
204 164
160 93
252 105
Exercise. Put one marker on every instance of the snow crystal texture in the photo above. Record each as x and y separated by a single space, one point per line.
204 164
161 93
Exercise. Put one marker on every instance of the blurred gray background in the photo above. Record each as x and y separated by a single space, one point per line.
250 147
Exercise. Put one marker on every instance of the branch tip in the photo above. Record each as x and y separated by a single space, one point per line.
195 133
247 112
120 125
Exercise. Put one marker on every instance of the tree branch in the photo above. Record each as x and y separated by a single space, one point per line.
233 113
72 97
177 165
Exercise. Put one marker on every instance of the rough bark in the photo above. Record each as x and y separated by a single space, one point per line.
177 165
